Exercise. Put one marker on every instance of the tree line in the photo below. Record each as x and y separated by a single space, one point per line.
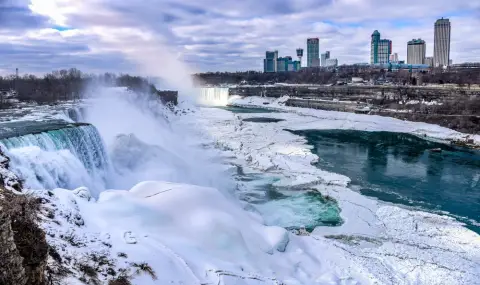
461 77
71 84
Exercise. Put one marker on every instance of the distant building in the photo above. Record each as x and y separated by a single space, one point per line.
282 64
401 65
313 52
297 65
441 45
287 64
300 55
290 64
357 80
467 65
416 50
429 60
270 61
394 57
324 58
381 49
331 62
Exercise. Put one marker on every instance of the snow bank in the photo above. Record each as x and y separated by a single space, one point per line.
387 244
320 119
188 235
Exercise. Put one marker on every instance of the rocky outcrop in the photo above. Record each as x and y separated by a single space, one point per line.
168 97
12 270
23 246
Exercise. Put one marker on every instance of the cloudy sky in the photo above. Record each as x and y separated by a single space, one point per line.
38 36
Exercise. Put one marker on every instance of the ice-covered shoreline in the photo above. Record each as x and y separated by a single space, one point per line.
421 245
352 121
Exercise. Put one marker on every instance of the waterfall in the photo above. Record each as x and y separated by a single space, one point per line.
66 158
214 96
76 114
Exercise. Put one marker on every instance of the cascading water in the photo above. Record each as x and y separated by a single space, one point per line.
76 114
214 96
143 142
65 158
130 139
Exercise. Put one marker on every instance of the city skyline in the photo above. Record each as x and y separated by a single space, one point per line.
40 35
381 51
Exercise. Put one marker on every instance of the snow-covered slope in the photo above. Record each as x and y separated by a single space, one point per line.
388 244
189 235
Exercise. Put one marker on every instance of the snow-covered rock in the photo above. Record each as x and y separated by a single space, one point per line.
189 234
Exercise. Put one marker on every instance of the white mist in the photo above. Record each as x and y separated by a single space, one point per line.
143 145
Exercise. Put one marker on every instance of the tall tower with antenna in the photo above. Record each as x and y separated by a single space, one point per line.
300 55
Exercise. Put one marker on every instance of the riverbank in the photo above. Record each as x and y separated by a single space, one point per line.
453 107
390 243
321 119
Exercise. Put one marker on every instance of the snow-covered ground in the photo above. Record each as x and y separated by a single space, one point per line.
389 244
319 119
203 235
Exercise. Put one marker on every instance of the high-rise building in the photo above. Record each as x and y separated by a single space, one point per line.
331 62
313 52
441 45
416 50
270 61
324 58
381 49
285 64
429 60
297 65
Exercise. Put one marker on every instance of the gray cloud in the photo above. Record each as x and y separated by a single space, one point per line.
16 17
233 35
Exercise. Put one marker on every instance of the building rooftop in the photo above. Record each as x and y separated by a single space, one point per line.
442 21
416 42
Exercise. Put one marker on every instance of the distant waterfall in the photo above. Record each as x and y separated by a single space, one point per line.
65 158
214 96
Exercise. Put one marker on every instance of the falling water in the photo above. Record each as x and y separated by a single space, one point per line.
214 96
67 158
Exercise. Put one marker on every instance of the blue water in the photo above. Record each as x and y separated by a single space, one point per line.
291 208
262 120
403 169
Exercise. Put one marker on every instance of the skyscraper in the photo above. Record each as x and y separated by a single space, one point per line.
441 46
324 58
381 49
313 52
270 61
416 50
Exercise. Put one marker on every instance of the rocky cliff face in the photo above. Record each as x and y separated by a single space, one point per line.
23 247
11 262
